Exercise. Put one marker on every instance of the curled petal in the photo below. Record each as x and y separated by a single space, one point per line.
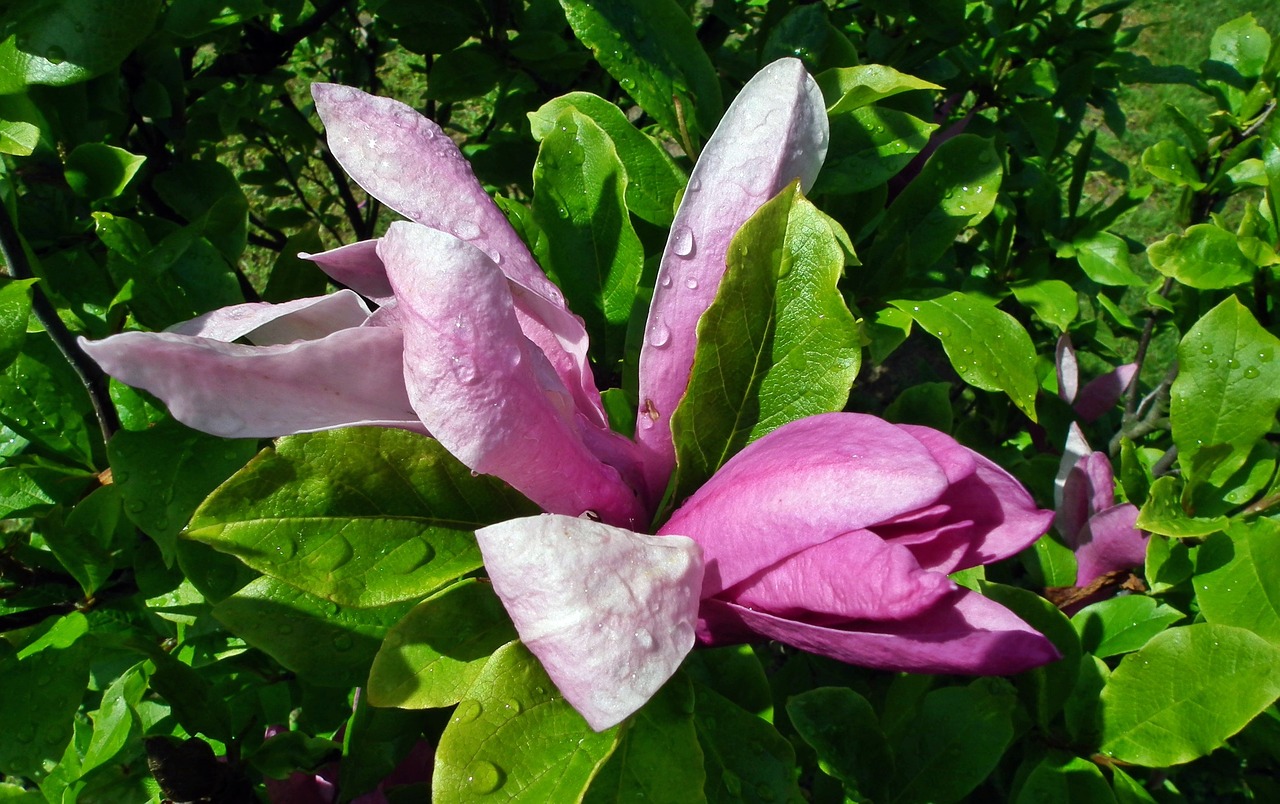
774 132
1089 488
1102 393
609 613
352 377
803 484
1076 447
1110 541
407 162
1068 369
266 324
963 633
357 266
482 388
855 576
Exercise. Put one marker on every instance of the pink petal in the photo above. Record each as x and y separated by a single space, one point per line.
350 378
1108 542
357 266
1089 488
609 613
267 324
856 575
482 388
965 633
804 484
1102 393
774 132
1075 448
410 164
1068 369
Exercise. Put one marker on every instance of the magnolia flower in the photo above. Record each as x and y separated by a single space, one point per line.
834 533
1098 395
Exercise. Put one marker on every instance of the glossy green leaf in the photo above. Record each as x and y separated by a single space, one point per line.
1238 53
42 693
653 179
164 472
842 728
1061 778
955 190
85 542
1127 789
19 138
988 348
67 41
208 195
1122 624
1205 257
375 742
433 656
114 720
1052 562
868 147
514 736
15 309
1163 513
776 345
1044 689
1053 300
735 672
658 758
193 18
361 516
42 400
1104 258
849 88
652 50
955 741
1171 162
589 246
1082 713
745 757
96 171
1186 692
1237 578
1226 389
327 644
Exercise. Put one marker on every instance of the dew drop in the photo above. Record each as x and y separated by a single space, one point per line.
644 639
467 711
343 643
136 506
412 555
1212 363
120 477
563 212
331 608
1251 373
1206 348
464 369
334 554
285 549
659 335
695 184
55 55
466 230
483 777
1231 363
691 283
512 706
665 281
496 256
25 733
627 84
732 784
682 241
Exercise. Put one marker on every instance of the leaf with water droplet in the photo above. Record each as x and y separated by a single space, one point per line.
375 515
49 707
741 750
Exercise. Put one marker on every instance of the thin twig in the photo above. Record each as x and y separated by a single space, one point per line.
1144 342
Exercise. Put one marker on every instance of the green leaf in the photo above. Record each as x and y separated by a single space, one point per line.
433 656
928 404
1171 162
1065 779
67 41
375 742
658 758
43 401
1186 692
1205 257
1122 624
208 195
1238 54
164 472
18 137
653 179
1104 258
1163 513
467 72
842 728
1052 563
115 719
868 147
589 246
849 88
515 736
955 741
85 541
1226 389
361 516
97 171
38 722
326 644
776 345
15 309
1127 789
1053 300
988 348
196 704
1044 689
745 757
652 50
955 190
735 672
1237 578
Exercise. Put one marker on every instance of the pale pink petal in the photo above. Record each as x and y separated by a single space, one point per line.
609 613
1075 448
357 266
964 633
410 164
1102 393
856 575
267 324
1068 369
774 133
1108 542
803 484
1089 488
350 378
482 388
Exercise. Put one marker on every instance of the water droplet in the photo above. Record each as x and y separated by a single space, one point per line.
665 281
464 369
682 244
467 711
1212 363
644 639
26 733
466 230
695 184
1251 373
691 283
136 506
659 335
343 642
285 549
1206 348
55 54
965 188
563 212
483 777
732 783
627 84
1265 355
496 256
333 554
119 477
412 555
512 706
331 608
